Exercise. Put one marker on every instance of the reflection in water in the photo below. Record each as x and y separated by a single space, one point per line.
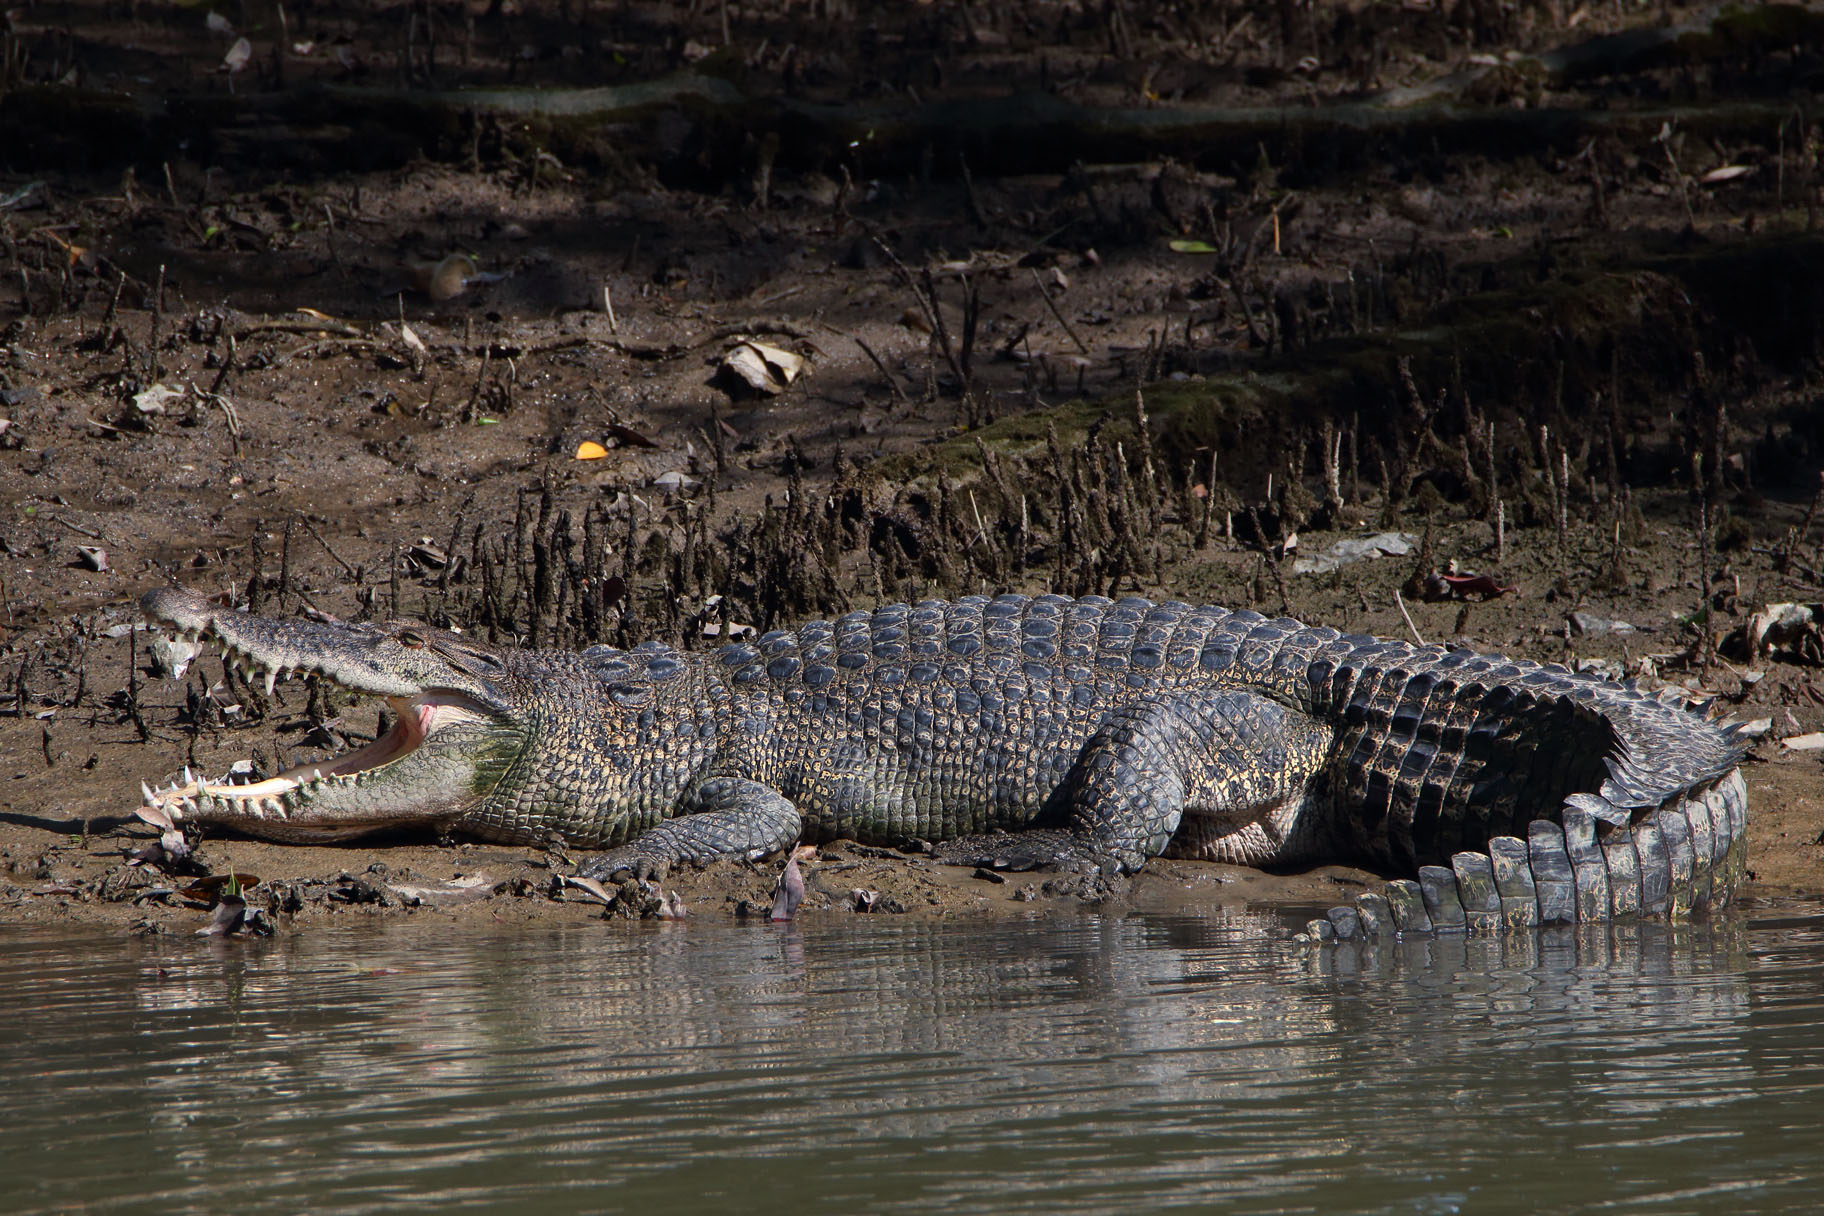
881 1064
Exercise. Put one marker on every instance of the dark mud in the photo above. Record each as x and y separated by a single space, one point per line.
1549 307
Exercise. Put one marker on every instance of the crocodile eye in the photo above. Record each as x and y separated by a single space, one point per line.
409 639
629 696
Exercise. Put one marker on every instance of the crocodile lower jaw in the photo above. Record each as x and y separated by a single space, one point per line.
289 794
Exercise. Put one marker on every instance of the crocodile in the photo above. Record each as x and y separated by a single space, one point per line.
1083 734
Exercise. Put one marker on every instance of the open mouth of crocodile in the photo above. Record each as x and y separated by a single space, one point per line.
292 793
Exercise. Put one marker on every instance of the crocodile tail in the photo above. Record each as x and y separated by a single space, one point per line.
1684 855
1594 800
1661 752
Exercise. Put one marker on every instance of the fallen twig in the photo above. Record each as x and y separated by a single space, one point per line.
324 325
893 384
1052 304
327 345
1414 629
74 527
228 412
310 528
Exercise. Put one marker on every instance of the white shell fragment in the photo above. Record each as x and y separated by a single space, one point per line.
237 56
153 400
765 369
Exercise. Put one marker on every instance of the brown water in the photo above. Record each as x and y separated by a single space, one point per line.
875 1064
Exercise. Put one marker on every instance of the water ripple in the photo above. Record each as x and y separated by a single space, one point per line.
1097 1065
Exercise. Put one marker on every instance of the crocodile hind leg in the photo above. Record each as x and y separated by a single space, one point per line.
1217 774
728 817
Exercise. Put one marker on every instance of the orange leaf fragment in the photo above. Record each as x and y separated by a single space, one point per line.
589 449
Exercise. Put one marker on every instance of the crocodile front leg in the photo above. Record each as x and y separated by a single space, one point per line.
728 817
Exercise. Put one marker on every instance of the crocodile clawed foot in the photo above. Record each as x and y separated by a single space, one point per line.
1040 849
618 865
1032 850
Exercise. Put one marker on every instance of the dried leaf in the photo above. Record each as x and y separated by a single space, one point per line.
218 24
1438 587
788 892
428 555
1725 173
1353 549
238 55
765 369
77 254
230 915
783 363
1588 624
445 279
217 886
589 449
631 437
589 887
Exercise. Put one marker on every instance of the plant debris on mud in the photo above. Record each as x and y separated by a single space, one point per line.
699 323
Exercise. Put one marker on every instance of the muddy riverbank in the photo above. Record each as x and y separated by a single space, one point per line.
1535 371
